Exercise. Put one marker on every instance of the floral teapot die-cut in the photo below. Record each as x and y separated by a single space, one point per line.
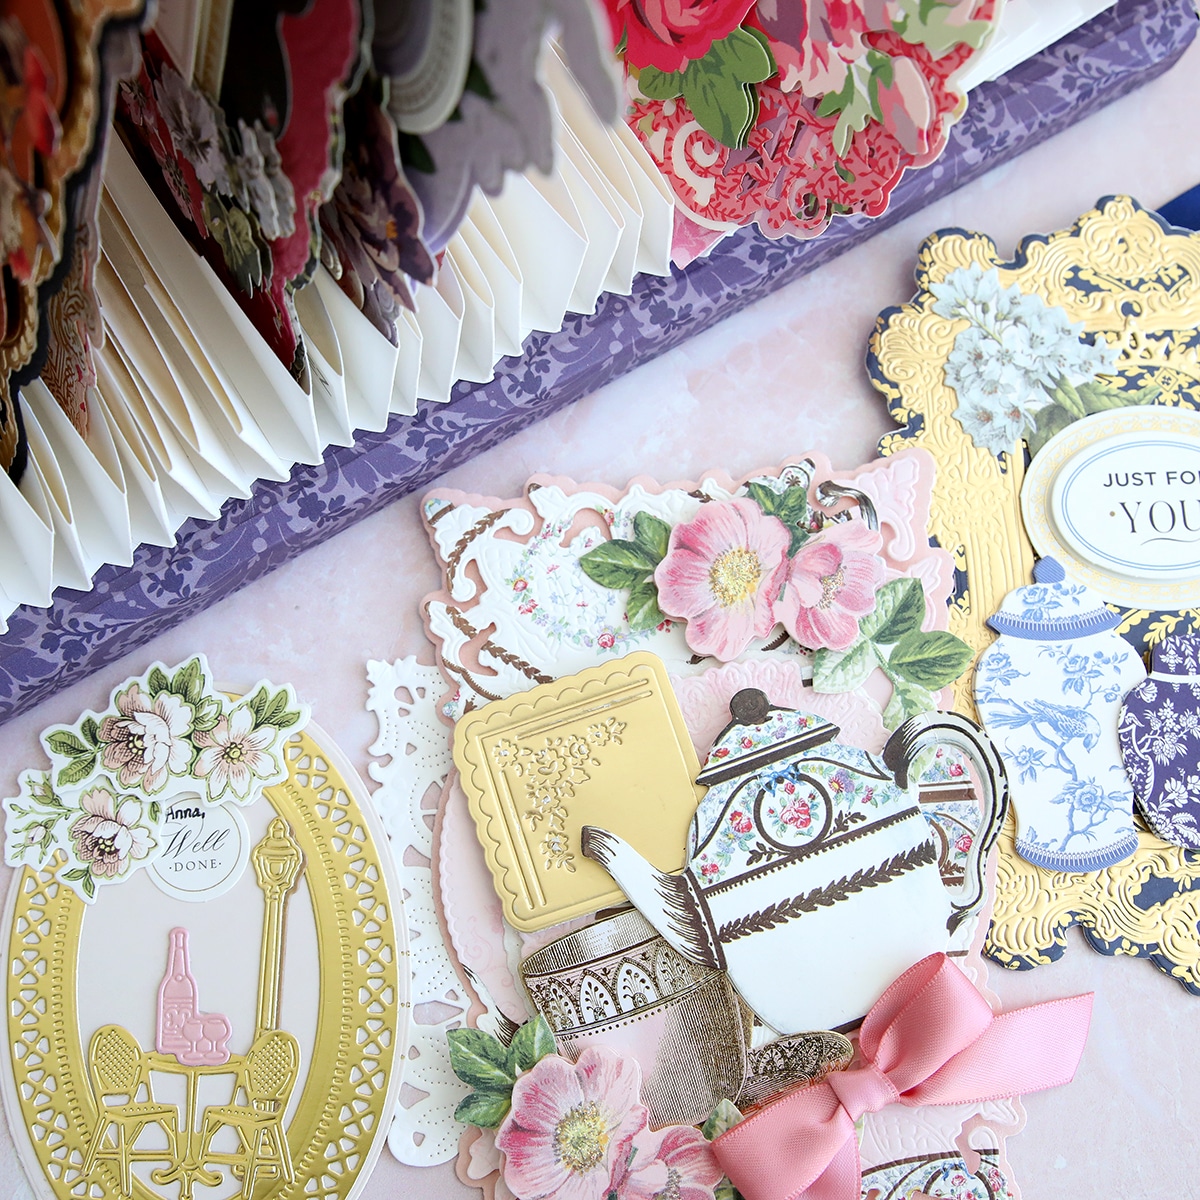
1159 732
802 847
1049 691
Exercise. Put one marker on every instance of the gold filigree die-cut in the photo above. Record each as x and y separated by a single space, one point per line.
1135 283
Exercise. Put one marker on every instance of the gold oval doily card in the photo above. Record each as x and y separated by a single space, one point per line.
223 1011
989 363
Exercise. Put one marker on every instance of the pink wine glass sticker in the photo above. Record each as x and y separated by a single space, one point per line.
193 1037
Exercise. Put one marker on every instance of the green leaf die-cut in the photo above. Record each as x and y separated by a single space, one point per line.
157 681
653 535
64 743
642 610
618 563
531 1043
484 1108
188 682
207 714
790 506
908 700
844 670
479 1060
77 770
899 609
660 85
719 88
930 660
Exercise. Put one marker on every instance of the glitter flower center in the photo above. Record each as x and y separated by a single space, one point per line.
581 1138
830 586
734 576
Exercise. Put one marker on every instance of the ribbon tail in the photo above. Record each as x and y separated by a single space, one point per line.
1027 1050
841 1180
782 1151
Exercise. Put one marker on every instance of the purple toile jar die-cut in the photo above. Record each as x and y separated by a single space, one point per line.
1159 733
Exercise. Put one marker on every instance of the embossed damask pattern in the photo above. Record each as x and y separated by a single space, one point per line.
44 650
1136 284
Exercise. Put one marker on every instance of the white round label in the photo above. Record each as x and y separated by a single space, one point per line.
1130 505
204 851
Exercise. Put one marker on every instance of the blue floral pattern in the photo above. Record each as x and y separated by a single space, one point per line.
1054 723
1159 733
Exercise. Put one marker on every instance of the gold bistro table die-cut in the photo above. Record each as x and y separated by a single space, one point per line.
607 745
1134 282
337 1123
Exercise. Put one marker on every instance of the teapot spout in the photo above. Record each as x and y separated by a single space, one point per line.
671 903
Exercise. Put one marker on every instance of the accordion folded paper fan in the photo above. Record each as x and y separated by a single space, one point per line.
993 361
207 960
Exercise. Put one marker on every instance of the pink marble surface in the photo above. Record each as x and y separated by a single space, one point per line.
787 372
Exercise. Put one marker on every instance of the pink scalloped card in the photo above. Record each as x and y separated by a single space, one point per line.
945 1152
829 569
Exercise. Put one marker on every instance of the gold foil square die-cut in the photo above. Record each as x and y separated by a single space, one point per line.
605 747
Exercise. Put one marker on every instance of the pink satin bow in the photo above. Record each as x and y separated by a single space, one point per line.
930 1039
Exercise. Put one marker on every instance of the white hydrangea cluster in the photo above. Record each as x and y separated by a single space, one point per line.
1006 363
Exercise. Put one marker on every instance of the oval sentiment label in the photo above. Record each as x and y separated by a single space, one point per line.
204 850
1130 505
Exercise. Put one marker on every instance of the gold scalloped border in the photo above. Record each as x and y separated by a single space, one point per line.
340 1121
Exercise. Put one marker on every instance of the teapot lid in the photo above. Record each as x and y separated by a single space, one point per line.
760 735
1052 609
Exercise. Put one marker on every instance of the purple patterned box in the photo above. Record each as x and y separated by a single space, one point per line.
46 649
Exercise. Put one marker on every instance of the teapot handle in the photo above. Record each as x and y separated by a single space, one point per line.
952 729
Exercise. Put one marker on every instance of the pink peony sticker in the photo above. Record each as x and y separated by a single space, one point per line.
571 1126
722 572
831 584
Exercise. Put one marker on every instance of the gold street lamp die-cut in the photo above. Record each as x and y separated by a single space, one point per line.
607 746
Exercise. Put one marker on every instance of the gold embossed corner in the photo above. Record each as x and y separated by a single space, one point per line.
607 746
340 1119
1135 283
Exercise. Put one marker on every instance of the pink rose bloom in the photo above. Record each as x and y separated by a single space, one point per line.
668 34
907 106
722 572
831 584
571 1126
675 1163
814 41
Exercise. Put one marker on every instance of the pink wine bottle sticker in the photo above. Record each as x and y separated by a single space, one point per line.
193 1037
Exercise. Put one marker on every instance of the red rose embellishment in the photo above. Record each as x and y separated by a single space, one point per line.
667 34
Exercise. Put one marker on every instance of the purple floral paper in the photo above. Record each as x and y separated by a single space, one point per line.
46 649
1159 733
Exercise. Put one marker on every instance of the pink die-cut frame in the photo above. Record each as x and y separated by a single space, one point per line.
498 632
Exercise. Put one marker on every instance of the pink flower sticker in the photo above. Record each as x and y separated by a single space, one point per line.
831 585
722 572
571 1126
675 1163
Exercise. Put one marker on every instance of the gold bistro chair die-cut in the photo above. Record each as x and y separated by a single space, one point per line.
608 745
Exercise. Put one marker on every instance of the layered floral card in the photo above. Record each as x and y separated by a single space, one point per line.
1055 390
684 753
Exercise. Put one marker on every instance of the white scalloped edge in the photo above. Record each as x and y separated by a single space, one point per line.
403 696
